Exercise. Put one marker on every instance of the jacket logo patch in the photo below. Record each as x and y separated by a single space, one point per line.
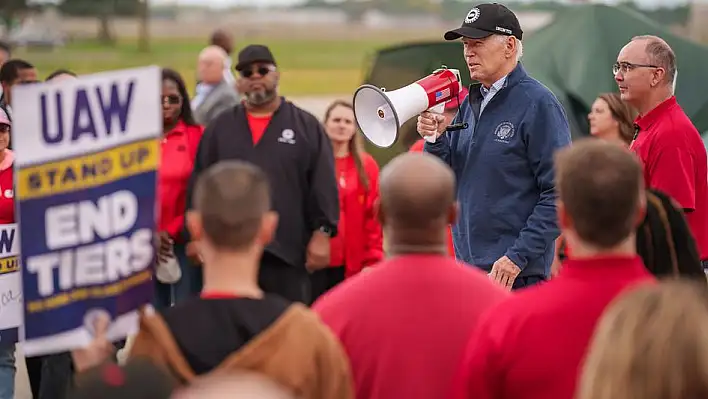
287 136
9 193
504 132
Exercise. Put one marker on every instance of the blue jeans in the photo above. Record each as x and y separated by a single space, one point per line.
190 285
705 265
7 373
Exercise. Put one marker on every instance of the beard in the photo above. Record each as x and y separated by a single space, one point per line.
261 97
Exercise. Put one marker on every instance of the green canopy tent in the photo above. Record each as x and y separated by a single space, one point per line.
572 56
576 51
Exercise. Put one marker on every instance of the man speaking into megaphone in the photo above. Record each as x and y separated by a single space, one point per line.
503 159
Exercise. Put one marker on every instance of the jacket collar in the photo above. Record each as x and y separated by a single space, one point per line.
516 76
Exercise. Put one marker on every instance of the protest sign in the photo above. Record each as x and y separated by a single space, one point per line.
87 151
10 285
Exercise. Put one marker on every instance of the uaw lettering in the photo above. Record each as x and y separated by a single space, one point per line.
87 154
10 285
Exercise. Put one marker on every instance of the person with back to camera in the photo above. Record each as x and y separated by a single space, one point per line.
650 344
419 146
611 119
532 345
503 160
234 326
405 323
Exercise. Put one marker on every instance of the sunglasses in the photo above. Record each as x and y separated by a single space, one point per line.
4 128
172 99
262 71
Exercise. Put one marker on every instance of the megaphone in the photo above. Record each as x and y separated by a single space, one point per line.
380 114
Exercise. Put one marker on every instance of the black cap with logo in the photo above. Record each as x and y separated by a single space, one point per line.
485 20
254 53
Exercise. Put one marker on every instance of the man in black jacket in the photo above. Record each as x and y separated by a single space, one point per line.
291 146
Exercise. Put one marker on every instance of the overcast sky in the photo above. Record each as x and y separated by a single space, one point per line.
222 3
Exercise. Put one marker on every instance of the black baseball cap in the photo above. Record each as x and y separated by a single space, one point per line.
485 20
254 53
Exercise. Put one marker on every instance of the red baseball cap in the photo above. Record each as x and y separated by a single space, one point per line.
453 103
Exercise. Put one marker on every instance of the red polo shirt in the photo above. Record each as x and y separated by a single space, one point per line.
532 345
405 323
674 160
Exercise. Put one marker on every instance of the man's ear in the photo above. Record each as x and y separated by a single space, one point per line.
269 224
642 210
194 225
453 212
378 212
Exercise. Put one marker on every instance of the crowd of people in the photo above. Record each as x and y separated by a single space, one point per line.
517 264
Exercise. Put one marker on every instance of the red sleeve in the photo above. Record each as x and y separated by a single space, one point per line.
479 375
194 136
417 146
372 228
672 173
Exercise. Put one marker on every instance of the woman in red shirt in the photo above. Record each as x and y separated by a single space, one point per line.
359 240
176 278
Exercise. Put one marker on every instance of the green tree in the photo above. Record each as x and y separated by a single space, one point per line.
9 10
104 10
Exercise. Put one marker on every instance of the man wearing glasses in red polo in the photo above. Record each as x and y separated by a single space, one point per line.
670 147
291 146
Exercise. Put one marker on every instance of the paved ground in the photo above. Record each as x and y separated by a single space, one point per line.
315 105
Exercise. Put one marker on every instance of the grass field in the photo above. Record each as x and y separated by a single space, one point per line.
308 66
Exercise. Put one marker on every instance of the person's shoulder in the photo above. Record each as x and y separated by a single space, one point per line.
537 93
305 115
195 130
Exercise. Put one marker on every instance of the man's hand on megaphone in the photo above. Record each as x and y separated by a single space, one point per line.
431 124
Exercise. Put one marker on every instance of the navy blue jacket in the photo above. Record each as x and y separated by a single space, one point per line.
503 163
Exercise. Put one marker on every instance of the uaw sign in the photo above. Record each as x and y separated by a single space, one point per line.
86 158
10 286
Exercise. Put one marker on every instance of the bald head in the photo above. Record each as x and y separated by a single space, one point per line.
211 63
417 192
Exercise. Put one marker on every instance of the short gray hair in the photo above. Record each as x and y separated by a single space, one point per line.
661 55
519 45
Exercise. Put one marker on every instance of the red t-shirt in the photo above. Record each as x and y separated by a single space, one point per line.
532 346
258 125
178 150
404 323
7 196
674 161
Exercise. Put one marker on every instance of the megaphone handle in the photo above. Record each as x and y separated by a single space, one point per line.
440 110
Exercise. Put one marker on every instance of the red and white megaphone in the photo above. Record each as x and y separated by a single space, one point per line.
380 114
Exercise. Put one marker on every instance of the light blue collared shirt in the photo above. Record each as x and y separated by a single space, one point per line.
487 94
200 94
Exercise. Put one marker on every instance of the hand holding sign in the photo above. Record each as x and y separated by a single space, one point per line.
99 350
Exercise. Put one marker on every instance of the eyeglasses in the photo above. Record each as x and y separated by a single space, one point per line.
625 67
172 99
4 128
262 71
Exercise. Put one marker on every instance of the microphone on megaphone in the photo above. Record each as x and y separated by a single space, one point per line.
380 114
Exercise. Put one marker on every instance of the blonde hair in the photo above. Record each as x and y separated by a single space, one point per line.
651 343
